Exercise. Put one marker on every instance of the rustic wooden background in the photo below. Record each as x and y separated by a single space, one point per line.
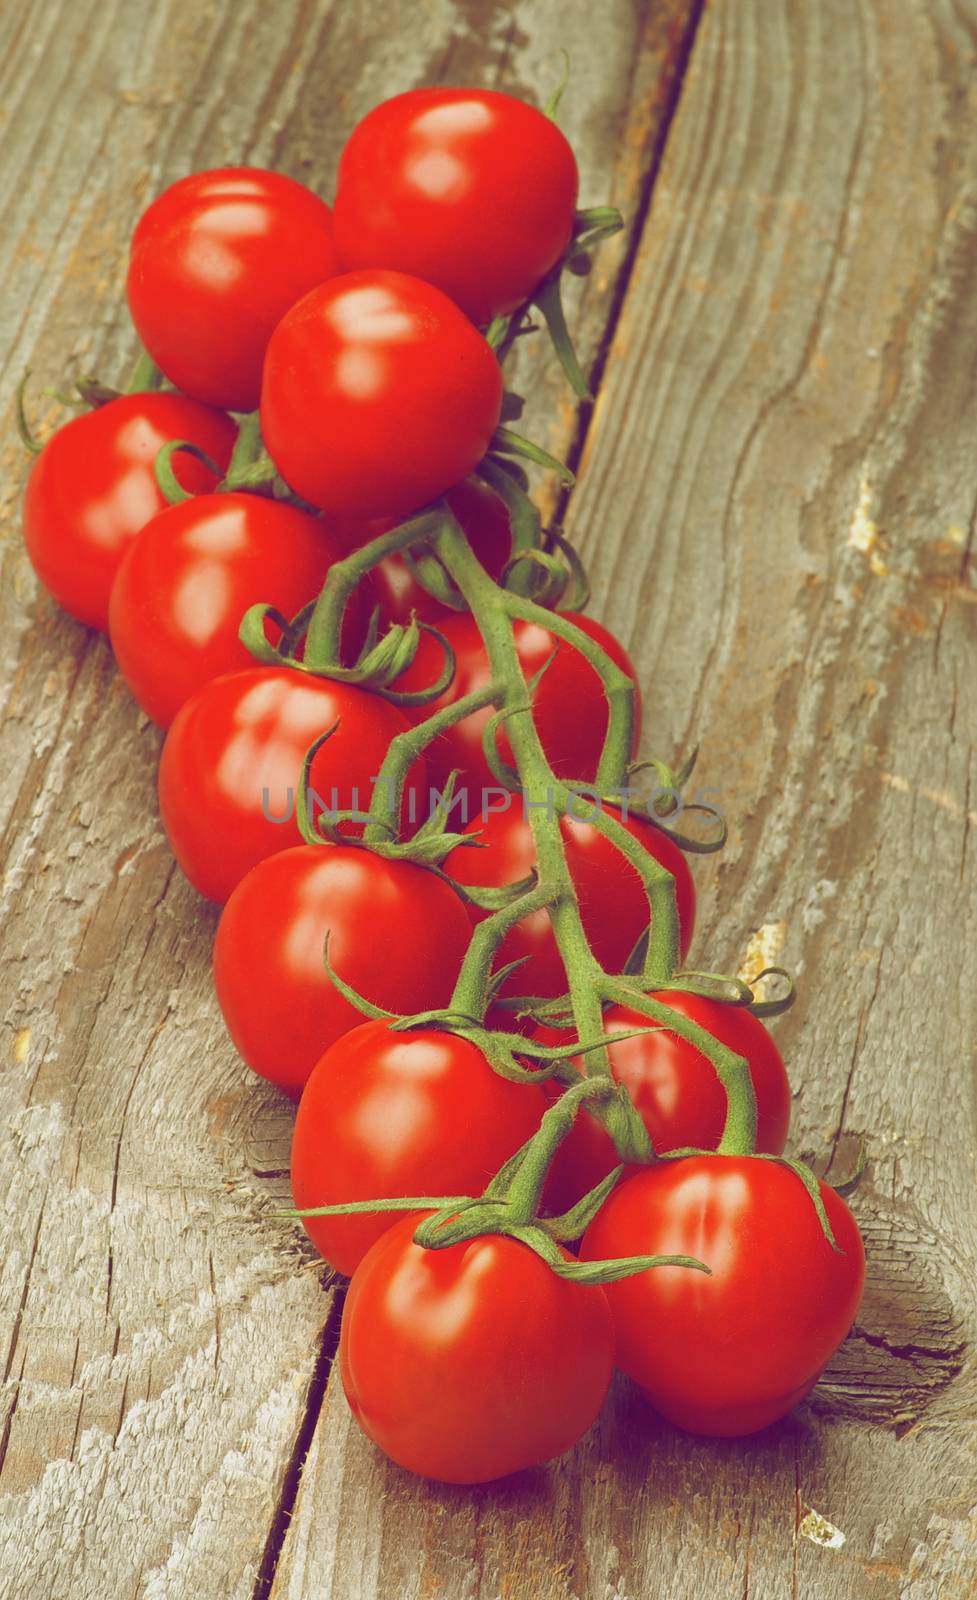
778 503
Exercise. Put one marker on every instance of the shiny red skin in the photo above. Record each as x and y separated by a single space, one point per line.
569 705
397 933
392 586
613 904
674 1089
387 1114
728 1353
378 395
469 188
215 264
471 1362
235 752
92 490
186 582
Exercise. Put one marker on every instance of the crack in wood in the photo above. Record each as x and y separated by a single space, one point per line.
913 1352
315 1394
18 1319
855 1053
908 1346
673 83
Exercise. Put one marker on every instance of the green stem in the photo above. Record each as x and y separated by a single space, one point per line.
325 624
733 1071
403 751
535 773
470 995
661 956
619 689
526 1188
170 486
540 787
552 105
545 798
524 519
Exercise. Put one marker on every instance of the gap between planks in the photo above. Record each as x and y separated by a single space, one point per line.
282 1513
673 93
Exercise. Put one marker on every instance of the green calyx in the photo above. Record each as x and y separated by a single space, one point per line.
666 803
311 642
381 661
590 227
89 394
506 442
250 467
507 1052
510 1205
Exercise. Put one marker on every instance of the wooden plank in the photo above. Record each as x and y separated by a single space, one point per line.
161 1337
779 501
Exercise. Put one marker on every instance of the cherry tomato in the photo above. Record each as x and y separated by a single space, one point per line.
471 1362
397 933
613 904
186 582
92 489
471 189
728 1353
216 262
392 586
569 705
378 395
232 765
387 1113
674 1089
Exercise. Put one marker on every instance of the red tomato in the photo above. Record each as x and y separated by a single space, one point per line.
392 586
569 706
216 262
397 932
92 489
232 764
727 1354
182 590
674 1089
387 1113
471 189
378 395
471 1362
613 904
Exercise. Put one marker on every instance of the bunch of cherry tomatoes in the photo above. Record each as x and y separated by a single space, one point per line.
240 533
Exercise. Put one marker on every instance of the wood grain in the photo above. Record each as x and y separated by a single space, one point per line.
778 499
162 1333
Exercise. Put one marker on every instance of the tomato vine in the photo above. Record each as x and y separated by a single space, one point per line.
368 350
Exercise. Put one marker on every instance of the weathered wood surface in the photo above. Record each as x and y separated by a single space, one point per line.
778 502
